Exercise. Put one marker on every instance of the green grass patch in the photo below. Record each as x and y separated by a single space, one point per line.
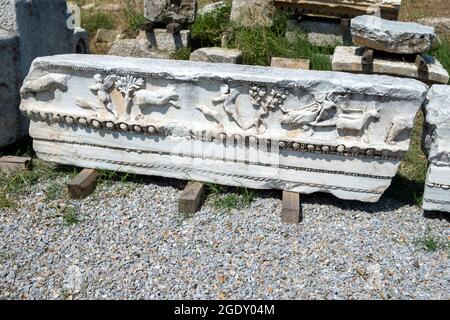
134 21
92 20
5 201
222 199
430 242
70 216
258 44
181 54
443 54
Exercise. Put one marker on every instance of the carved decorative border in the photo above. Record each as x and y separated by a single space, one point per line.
154 130
444 202
438 186
183 155
204 171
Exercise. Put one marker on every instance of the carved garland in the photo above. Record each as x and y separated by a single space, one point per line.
219 136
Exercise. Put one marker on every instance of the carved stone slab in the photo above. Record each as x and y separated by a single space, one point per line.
257 127
389 9
436 144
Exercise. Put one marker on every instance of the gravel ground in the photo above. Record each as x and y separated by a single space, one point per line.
131 243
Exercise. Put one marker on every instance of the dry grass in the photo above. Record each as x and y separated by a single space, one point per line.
415 9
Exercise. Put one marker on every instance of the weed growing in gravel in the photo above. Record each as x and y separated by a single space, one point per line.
70 216
54 191
5 202
222 200
430 242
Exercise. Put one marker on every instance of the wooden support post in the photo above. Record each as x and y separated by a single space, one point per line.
422 67
12 164
291 212
191 197
173 28
83 184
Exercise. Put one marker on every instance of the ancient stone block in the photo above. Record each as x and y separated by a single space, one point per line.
217 55
9 88
320 32
162 40
168 11
258 127
75 13
40 28
436 144
388 9
290 63
137 48
392 36
349 59
252 12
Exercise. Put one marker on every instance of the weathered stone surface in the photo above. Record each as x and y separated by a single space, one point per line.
80 41
290 63
161 40
107 35
252 12
392 36
436 144
137 48
168 11
217 55
389 9
41 28
9 88
258 127
320 32
349 59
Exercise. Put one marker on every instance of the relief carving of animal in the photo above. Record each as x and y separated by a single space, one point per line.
355 120
47 83
156 97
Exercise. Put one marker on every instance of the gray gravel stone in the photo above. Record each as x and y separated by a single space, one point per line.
131 243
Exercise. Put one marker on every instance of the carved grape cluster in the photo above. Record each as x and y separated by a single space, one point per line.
275 99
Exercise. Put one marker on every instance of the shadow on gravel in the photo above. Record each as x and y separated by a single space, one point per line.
435 215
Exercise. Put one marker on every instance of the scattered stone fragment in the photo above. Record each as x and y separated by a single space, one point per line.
436 144
349 59
392 36
161 40
320 32
76 14
168 11
252 12
290 63
137 48
211 7
217 55
107 35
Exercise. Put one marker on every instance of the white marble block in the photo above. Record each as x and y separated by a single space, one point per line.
257 127
436 144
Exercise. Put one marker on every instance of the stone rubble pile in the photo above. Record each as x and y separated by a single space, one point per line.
391 47
30 29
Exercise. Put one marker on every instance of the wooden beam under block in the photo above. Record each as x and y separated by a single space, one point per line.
291 212
83 184
191 198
